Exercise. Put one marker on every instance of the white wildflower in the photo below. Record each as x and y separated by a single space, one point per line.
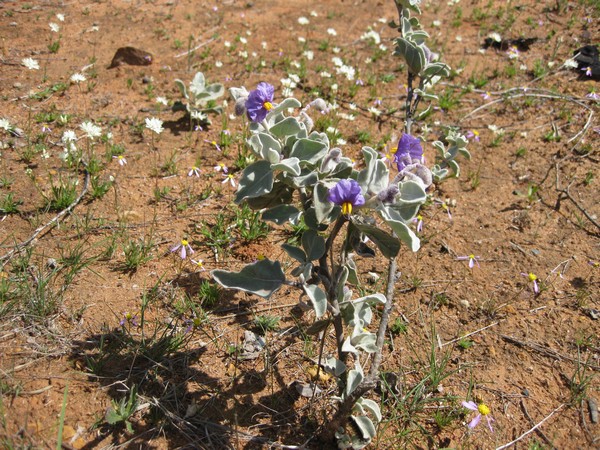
243 40
30 63
372 35
5 124
302 40
162 101
154 124
263 44
336 49
77 78
437 23
303 20
60 17
310 55
337 61
331 32
374 111
54 27
325 74
313 13
218 64
91 131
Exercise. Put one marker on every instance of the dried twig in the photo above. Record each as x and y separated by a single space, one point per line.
540 432
546 351
471 333
511 443
43 229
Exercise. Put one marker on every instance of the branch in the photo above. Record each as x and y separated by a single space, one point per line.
43 229
511 443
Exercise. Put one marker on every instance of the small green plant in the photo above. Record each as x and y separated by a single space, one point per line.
62 195
465 343
399 327
99 187
200 98
121 411
521 151
249 224
217 235
137 252
208 293
266 322
8 204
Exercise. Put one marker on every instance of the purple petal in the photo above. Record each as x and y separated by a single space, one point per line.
470 405
409 149
183 253
489 421
256 100
475 421
175 248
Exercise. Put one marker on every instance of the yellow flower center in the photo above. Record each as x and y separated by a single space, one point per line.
532 276
346 208
184 242
476 133
471 256
268 106
260 256
214 143
483 409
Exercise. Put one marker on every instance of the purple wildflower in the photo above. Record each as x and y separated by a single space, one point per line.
409 151
259 102
472 260
588 71
473 134
183 247
347 194
419 221
483 411
533 278
194 171
128 318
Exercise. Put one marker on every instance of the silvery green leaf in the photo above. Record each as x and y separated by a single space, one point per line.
281 194
182 88
320 137
266 147
295 252
237 93
309 151
306 178
412 192
256 180
366 342
343 169
323 206
282 214
317 297
335 366
354 379
313 244
341 283
365 426
352 274
289 165
366 175
378 298
385 242
371 406
436 69
423 114
394 220
289 102
287 127
347 347
197 84
412 53
262 278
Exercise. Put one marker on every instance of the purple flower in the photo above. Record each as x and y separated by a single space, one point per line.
419 221
588 71
483 410
184 248
533 278
128 318
472 260
409 151
347 194
259 102
473 134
